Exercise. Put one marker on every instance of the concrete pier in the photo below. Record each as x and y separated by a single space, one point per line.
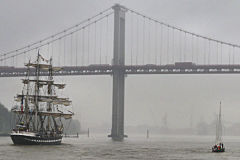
118 74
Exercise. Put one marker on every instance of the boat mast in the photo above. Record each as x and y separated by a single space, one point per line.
220 123
50 78
37 92
219 126
26 99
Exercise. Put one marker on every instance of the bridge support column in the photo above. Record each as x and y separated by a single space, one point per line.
118 73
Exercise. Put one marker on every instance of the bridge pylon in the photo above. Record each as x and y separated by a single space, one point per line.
117 132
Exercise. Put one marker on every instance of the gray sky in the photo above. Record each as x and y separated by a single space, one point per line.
148 97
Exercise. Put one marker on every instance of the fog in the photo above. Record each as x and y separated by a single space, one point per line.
147 97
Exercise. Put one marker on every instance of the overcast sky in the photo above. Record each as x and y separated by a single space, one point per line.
148 97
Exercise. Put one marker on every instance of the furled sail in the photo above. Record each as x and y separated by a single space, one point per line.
45 113
44 82
43 66
41 98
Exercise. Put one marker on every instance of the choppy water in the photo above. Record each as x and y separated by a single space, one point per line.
102 148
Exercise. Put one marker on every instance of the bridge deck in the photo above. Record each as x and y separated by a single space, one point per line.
129 69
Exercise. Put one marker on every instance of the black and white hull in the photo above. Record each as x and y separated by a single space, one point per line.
218 149
28 138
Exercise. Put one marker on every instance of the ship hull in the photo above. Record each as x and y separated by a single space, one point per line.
218 150
24 139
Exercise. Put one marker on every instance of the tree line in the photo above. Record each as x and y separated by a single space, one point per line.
5 120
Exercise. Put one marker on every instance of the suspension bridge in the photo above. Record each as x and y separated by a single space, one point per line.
120 41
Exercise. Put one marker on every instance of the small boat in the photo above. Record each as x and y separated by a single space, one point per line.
219 147
41 110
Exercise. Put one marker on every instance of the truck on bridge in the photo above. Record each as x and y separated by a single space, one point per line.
184 64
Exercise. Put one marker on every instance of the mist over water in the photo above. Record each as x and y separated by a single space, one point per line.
147 97
163 104
136 147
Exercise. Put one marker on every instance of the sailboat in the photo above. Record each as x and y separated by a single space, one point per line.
39 109
219 147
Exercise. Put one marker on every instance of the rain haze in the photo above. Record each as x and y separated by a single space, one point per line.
148 98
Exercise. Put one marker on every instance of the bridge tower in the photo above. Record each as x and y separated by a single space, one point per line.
118 73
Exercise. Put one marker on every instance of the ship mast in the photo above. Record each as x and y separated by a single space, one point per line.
219 126
36 93
26 99
50 78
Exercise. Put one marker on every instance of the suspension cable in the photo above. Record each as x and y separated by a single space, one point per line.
182 30
58 38
57 34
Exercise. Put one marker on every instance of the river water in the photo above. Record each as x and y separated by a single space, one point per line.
100 147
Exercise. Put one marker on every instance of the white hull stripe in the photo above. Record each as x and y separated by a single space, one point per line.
43 141
23 134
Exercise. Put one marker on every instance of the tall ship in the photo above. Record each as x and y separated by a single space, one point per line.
39 110
219 147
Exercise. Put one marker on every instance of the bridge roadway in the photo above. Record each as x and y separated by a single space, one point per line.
128 69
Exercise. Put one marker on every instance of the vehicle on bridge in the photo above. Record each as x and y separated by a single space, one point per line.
150 65
99 65
184 64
